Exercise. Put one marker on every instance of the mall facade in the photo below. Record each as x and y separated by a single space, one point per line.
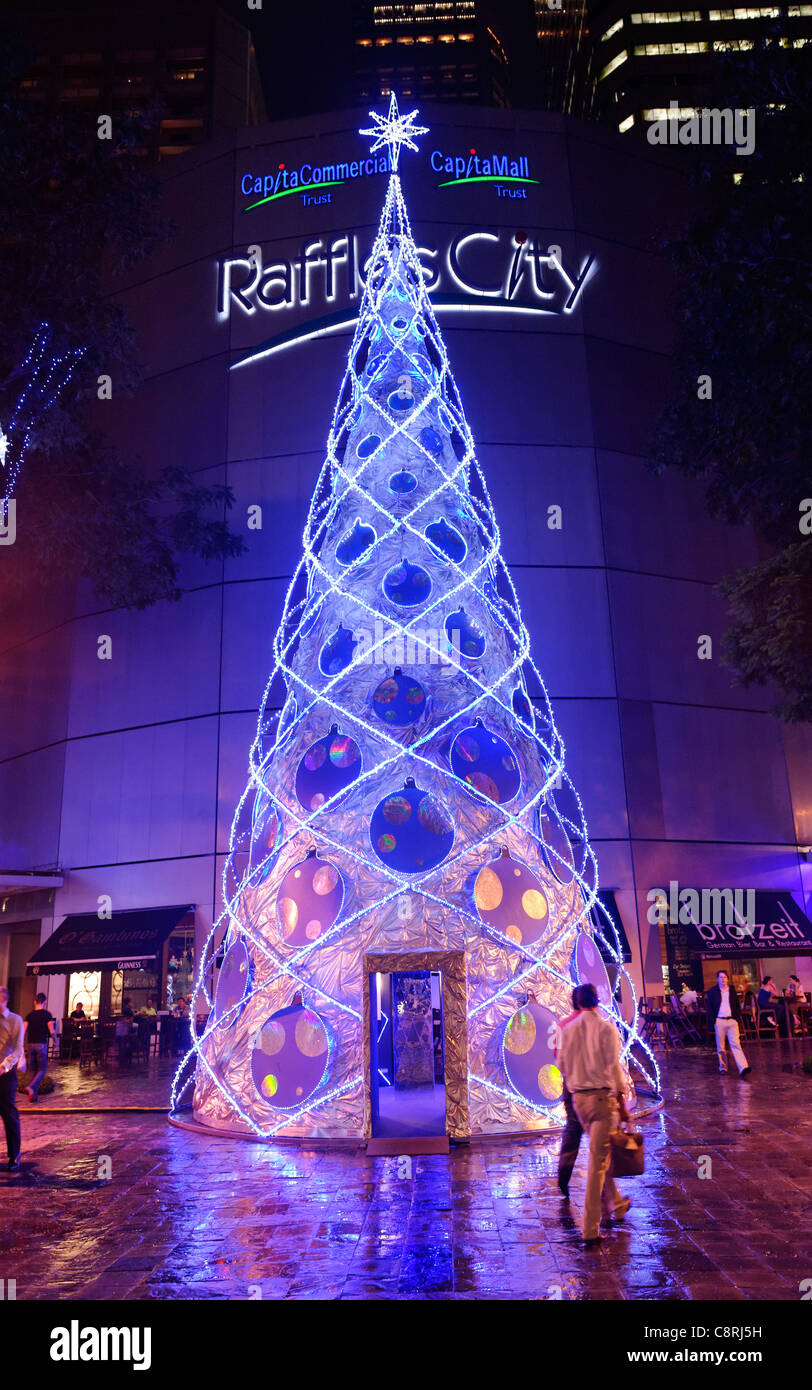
123 760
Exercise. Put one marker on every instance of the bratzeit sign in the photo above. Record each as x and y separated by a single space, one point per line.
500 264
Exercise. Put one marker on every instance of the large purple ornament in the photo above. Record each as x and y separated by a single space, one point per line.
232 984
309 900
529 1056
588 968
510 898
485 762
289 1057
411 830
328 767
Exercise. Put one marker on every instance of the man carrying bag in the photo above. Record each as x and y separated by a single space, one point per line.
589 1060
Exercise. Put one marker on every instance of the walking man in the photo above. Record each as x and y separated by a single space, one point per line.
11 1055
589 1059
571 1138
724 1012
39 1027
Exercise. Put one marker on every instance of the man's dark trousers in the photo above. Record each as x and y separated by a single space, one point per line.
570 1142
9 1112
37 1064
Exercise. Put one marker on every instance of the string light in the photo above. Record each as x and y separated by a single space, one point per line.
47 375
398 396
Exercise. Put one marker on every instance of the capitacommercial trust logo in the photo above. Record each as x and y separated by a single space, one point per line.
308 178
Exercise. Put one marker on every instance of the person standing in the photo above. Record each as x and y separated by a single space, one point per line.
589 1060
724 1015
39 1027
11 1055
571 1138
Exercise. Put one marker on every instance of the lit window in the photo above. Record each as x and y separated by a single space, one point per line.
425 38
445 38
796 11
404 39
615 63
627 124
764 12
465 38
731 45
658 50
618 24
363 43
666 17
382 43
662 113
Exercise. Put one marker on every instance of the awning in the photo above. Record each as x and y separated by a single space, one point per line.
780 929
128 940
607 898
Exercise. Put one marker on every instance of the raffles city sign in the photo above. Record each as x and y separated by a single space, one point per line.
485 269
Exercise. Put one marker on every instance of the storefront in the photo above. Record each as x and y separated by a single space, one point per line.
132 955
776 941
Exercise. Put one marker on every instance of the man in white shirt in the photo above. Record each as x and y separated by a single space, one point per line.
724 1016
12 1055
589 1060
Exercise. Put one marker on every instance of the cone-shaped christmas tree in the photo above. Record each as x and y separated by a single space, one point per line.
409 805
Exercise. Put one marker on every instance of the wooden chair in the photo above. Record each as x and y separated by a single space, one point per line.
748 1026
762 1025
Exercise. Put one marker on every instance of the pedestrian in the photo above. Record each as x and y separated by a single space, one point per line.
11 1055
571 1138
688 997
39 1027
589 1060
724 1016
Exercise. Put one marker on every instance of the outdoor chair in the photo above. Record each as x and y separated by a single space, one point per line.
762 1024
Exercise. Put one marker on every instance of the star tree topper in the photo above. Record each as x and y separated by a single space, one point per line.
394 130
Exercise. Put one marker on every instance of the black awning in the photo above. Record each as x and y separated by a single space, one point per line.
780 928
607 899
129 940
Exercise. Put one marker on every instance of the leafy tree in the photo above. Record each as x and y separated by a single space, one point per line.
76 212
745 321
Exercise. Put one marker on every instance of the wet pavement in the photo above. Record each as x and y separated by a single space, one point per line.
125 1206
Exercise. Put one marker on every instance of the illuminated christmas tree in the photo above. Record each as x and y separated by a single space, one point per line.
410 800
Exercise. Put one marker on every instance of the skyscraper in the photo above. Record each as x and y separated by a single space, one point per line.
191 59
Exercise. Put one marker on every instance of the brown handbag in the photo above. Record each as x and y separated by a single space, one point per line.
627 1159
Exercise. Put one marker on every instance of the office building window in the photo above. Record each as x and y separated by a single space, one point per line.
618 24
627 124
615 63
659 50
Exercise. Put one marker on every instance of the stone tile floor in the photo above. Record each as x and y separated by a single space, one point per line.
185 1216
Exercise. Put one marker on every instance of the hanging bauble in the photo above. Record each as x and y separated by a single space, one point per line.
309 900
233 983
446 539
327 768
529 1055
336 654
356 542
411 830
485 762
289 1057
556 843
509 897
407 585
399 699
465 636
588 968
402 482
